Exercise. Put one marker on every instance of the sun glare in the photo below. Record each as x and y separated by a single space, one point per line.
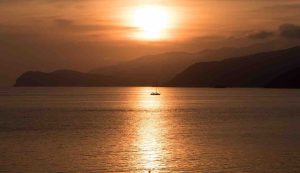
152 22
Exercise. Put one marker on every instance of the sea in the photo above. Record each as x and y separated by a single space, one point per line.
125 129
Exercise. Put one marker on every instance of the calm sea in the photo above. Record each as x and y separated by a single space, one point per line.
98 130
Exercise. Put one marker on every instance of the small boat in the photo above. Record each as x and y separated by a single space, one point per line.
156 93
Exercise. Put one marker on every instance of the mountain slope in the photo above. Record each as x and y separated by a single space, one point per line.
146 70
163 67
65 78
248 71
289 79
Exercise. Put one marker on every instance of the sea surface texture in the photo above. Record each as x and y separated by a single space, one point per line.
188 130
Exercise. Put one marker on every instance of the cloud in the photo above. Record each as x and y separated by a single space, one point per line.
284 7
73 26
261 35
287 31
290 31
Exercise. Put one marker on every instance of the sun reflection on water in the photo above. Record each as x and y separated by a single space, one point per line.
149 102
149 144
150 131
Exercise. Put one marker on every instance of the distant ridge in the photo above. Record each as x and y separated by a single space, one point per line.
163 67
64 78
258 70
276 69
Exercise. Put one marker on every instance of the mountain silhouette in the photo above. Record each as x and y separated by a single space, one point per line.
258 70
289 79
163 67
269 69
65 78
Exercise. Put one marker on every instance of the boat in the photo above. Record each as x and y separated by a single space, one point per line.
156 93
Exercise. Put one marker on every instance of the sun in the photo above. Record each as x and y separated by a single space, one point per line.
152 22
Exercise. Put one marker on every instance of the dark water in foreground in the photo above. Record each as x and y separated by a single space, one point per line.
96 130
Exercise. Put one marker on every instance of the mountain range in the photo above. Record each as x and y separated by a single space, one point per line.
258 70
65 78
184 70
161 68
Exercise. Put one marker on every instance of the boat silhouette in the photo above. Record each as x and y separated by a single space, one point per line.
156 93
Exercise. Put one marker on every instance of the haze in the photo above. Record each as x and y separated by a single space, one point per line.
82 35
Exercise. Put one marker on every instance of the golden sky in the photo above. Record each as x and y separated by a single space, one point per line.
81 34
112 19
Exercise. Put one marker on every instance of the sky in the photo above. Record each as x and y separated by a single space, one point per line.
74 34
